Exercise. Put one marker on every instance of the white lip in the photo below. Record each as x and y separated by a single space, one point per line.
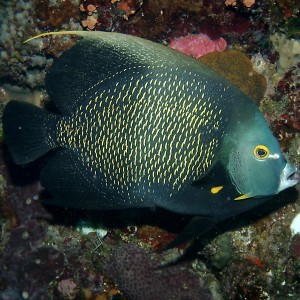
288 178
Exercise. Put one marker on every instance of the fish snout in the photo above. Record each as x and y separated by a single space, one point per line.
289 177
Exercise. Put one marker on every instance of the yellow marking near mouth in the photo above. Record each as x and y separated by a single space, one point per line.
242 197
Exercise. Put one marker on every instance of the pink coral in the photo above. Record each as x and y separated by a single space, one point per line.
68 288
246 3
90 22
230 2
91 9
198 45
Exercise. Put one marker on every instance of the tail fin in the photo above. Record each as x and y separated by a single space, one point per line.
28 131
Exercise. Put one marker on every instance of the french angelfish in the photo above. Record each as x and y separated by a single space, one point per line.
141 125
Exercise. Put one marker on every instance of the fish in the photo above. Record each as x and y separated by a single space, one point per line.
140 125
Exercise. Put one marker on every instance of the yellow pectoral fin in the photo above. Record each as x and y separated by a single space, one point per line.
216 189
242 197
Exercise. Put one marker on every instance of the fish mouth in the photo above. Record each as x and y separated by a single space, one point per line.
288 177
295 176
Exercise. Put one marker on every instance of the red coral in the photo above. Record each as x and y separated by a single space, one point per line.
128 7
156 237
54 16
288 123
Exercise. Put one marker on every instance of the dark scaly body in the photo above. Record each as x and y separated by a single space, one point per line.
141 125
150 130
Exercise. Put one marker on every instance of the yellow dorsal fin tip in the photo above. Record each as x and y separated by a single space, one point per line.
53 33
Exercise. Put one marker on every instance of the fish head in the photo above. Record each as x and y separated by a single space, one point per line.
256 164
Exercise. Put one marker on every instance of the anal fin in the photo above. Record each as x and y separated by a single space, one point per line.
197 227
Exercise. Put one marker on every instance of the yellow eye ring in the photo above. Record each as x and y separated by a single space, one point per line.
261 152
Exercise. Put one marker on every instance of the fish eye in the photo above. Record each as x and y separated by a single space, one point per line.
261 152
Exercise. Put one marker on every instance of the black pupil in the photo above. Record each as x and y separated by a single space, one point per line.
261 152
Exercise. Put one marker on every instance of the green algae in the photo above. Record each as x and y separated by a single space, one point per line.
274 108
294 150
293 27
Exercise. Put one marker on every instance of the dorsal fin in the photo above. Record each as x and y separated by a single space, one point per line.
99 57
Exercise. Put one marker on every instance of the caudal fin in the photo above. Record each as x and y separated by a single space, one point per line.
28 131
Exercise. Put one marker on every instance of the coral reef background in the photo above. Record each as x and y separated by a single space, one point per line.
54 253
